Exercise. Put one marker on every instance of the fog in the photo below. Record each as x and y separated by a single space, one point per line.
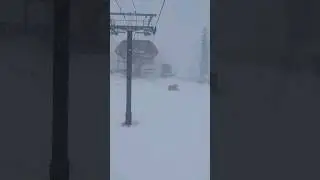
179 29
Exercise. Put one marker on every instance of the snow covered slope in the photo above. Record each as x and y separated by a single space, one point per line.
171 141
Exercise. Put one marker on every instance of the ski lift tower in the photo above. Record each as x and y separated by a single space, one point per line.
131 23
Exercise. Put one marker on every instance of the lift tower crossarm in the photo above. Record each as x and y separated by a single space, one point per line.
117 26
133 14
131 28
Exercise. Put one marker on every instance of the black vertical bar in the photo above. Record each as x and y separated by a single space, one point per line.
59 166
299 20
299 17
26 15
128 121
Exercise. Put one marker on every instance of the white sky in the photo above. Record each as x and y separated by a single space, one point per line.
179 29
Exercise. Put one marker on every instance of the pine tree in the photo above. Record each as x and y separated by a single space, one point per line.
204 61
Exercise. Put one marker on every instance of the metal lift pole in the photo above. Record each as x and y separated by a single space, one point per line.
59 165
116 27
128 121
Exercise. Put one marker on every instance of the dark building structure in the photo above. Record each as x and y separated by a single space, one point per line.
267 55
144 52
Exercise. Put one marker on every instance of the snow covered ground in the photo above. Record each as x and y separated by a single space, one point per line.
172 139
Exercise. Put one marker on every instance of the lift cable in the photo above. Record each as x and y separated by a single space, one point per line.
135 11
163 2
134 6
117 3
